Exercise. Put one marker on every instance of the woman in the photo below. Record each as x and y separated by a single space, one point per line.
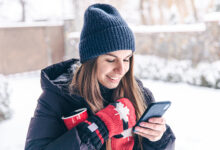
103 82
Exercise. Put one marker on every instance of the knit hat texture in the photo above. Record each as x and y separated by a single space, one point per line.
104 31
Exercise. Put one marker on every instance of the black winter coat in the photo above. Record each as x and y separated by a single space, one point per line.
47 130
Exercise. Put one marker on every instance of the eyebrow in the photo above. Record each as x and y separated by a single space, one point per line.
117 56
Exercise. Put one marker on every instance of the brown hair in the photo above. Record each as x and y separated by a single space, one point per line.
85 83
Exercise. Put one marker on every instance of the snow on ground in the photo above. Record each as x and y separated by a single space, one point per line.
25 91
199 27
192 115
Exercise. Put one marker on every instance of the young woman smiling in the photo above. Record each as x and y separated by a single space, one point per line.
102 81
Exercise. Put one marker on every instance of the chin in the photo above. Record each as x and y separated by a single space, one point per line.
111 86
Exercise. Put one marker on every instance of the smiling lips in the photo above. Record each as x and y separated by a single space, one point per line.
114 79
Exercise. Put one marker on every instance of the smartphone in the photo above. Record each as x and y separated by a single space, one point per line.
155 109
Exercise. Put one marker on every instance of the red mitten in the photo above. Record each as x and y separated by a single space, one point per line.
124 141
108 122
118 116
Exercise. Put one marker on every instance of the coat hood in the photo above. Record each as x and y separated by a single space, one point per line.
57 77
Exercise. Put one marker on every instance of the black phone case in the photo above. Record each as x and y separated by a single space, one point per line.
155 109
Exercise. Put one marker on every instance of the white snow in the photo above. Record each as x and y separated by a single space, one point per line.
25 91
193 114
199 27
11 10
157 68
31 24
4 98
214 16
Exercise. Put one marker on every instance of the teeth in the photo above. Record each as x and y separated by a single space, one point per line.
114 78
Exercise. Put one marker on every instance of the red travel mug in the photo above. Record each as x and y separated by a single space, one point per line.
75 118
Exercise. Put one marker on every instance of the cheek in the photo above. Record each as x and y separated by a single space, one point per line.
101 72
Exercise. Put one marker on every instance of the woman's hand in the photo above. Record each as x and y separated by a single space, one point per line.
152 130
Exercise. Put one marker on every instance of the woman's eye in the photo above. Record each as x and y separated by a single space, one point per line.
108 60
126 60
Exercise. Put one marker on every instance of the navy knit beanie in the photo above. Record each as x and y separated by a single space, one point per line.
104 31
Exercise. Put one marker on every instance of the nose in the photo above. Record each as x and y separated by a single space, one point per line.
119 69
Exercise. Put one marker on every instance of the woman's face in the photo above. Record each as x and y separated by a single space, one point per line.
111 67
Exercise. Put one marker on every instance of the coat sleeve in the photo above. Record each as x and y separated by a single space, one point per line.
167 142
46 129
